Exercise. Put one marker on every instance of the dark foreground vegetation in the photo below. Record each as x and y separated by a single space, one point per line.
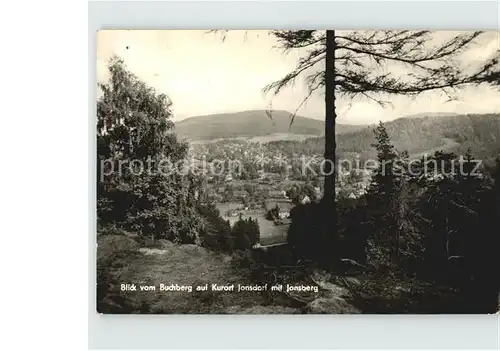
424 239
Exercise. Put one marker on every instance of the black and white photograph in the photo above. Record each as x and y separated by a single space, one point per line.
298 172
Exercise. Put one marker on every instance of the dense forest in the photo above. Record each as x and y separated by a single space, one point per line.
480 133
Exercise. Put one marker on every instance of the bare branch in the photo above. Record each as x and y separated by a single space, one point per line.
430 67
311 91
277 86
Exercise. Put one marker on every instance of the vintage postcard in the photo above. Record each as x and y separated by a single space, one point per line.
297 172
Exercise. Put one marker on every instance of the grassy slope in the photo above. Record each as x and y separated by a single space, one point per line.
120 260
174 264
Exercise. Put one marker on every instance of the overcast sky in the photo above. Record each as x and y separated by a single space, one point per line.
203 75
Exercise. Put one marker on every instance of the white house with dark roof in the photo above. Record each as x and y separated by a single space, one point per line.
284 207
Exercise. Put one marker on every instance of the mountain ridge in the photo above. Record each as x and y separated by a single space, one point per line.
479 132
276 126
252 123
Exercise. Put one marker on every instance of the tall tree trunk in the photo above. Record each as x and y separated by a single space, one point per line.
496 242
330 115
329 231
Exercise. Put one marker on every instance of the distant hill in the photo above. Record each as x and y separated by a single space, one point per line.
253 123
417 135
428 134
431 114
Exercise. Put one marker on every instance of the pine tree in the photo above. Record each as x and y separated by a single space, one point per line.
354 64
384 178
386 198
352 61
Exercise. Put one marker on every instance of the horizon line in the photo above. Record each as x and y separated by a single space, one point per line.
415 115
